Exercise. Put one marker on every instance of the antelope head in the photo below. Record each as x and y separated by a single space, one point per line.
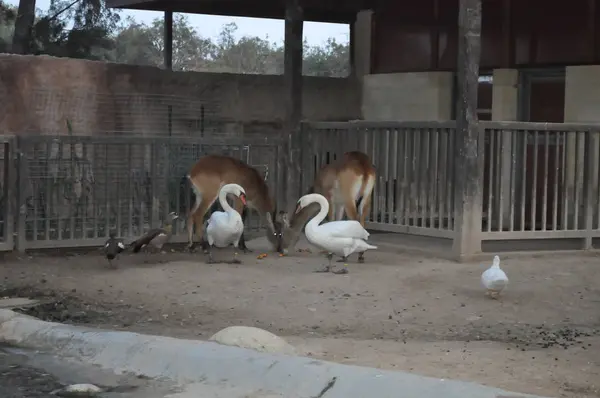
288 230
277 228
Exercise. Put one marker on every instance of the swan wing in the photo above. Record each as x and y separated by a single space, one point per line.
344 229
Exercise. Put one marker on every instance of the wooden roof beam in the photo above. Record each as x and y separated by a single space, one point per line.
313 11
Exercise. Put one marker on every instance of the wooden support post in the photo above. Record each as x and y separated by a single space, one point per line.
168 39
352 48
293 99
468 146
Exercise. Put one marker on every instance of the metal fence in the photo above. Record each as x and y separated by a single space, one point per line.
70 191
415 166
540 181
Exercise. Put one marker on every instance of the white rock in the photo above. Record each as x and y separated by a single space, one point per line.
254 339
79 390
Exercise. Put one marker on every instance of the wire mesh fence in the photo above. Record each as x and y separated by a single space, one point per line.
74 190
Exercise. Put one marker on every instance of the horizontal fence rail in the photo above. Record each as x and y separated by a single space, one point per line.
414 192
74 190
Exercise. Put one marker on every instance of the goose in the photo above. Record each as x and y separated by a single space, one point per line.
156 237
336 237
224 228
494 279
112 248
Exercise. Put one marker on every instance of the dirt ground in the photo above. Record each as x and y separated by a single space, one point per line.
397 311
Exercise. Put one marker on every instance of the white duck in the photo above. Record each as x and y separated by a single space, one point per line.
337 237
494 279
224 228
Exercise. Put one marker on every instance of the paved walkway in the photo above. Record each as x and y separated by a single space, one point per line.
211 370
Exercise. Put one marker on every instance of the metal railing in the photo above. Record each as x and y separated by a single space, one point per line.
72 191
414 192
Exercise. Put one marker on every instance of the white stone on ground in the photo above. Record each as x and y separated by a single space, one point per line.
79 390
254 339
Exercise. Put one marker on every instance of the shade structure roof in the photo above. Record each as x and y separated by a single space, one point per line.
337 11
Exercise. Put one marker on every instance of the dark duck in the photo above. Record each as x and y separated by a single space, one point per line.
112 248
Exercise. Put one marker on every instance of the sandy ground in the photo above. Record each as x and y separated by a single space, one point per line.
397 311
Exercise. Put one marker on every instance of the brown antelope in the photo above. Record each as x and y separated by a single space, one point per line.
207 177
343 183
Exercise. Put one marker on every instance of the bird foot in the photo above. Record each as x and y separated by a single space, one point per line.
234 261
342 260
361 259
323 270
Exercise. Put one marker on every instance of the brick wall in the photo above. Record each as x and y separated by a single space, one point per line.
39 93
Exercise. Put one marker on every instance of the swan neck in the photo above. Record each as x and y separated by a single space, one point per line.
223 200
318 219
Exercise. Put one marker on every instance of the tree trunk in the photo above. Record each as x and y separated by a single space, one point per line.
23 27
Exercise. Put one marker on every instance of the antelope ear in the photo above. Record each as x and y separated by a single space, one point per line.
269 218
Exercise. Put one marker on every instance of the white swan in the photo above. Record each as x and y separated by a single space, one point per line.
224 228
337 237
494 279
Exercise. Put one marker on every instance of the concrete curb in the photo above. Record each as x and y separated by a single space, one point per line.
211 364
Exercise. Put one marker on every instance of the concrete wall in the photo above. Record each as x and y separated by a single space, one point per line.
39 93
422 96
505 95
582 94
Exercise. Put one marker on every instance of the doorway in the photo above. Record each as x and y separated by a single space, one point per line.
542 99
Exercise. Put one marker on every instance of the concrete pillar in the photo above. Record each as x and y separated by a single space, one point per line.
362 44
582 94
505 95
505 108
420 96
582 101
468 154
292 82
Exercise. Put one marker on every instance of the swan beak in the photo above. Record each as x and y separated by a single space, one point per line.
243 199
298 208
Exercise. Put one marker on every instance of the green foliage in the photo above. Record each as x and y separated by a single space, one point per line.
140 44
8 14
143 45
87 29
90 33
